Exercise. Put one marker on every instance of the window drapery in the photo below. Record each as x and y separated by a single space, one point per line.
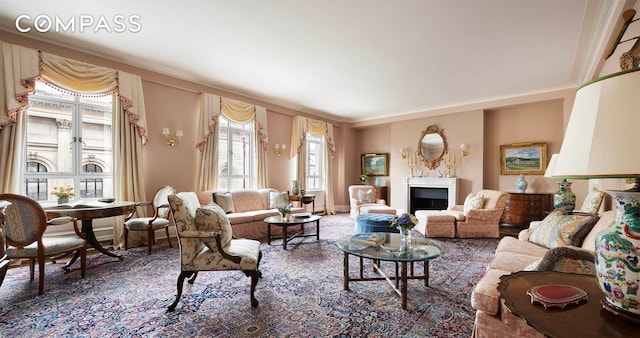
302 125
211 108
21 66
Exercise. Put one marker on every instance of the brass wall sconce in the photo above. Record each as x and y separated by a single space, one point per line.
172 141
464 151
278 147
403 153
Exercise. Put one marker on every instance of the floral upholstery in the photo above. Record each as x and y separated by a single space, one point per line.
206 242
592 202
25 224
355 193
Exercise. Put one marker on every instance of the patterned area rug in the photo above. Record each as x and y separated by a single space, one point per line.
301 295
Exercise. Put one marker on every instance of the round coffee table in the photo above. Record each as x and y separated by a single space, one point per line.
292 220
423 250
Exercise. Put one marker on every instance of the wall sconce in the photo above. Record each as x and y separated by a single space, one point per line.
403 153
463 150
278 147
170 141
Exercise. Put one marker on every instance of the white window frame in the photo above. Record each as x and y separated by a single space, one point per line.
226 128
310 140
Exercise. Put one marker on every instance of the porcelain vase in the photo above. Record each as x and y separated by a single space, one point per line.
63 200
521 183
564 198
617 258
295 189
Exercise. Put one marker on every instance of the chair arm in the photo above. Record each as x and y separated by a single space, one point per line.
484 214
456 207
235 259
197 234
135 210
156 211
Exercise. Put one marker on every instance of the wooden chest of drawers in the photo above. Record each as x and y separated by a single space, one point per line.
382 193
522 208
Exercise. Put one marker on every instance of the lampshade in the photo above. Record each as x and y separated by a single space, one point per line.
602 135
552 165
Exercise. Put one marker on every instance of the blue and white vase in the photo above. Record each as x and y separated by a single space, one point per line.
377 182
521 183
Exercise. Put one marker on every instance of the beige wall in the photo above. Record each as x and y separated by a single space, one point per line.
174 103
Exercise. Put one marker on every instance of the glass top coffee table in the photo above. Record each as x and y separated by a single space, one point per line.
292 220
422 250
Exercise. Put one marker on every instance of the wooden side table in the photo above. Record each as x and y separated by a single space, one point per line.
583 320
306 199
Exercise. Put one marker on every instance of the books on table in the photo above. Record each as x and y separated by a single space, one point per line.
372 239
75 204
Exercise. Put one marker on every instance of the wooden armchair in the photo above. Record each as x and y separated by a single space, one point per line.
207 244
159 220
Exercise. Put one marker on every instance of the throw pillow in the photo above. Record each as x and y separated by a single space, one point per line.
212 218
559 229
473 201
568 259
277 199
225 201
366 196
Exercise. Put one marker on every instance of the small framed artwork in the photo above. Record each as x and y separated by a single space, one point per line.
523 158
375 164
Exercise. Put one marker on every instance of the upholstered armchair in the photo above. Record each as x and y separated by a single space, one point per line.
480 220
362 195
159 220
206 243
25 223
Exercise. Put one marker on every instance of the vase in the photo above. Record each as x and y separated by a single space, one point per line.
564 198
405 240
377 181
63 200
617 258
295 189
283 217
521 183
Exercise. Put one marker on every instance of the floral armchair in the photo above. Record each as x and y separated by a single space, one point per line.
206 243
481 220
362 195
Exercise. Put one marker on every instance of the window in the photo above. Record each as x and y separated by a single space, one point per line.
235 155
68 143
315 154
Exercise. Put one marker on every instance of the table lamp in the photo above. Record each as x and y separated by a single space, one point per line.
600 142
563 198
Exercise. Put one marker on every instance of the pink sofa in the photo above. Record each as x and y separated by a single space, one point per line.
493 319
251 207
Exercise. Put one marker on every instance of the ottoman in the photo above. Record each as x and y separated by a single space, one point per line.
435 223
374 223
377 209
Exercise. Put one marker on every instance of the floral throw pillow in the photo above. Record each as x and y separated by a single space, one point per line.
559 229
225 201
277 199
366 196
473 201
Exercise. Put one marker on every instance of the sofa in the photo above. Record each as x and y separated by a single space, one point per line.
247 209
564 248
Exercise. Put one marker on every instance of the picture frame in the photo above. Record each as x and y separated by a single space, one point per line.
375 164
523 158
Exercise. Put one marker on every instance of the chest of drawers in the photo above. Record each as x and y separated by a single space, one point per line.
522 208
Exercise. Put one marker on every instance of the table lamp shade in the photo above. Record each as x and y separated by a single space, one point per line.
602 133
551 166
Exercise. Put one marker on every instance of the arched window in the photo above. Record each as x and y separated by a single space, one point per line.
91 187
36 187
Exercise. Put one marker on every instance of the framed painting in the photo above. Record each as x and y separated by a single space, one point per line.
375 164
523 158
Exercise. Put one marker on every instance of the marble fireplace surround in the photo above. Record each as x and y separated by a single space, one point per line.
430 193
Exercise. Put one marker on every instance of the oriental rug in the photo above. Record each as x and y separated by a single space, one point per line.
301 295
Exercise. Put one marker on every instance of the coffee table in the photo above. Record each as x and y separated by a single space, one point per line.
423 250
292 221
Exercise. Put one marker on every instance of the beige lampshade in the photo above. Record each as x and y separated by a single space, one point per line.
603 133
552 165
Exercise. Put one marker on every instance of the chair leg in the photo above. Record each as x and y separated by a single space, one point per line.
150 238
168 239
83 262
193 279
40 276
126 238
183 275
255 275
32 267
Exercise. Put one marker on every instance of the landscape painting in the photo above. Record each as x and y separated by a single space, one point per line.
523 158
375 164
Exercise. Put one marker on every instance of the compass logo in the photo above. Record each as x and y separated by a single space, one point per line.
43 23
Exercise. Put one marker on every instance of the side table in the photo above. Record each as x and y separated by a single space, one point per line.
583 320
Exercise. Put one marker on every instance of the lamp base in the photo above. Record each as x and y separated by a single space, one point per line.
630 316
564 198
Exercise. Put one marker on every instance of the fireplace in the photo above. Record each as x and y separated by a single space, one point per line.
430 193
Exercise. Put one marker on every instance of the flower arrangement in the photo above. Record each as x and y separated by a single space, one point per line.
363 177
405 221
63 191
284 209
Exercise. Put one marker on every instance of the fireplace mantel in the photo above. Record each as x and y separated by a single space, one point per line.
451 184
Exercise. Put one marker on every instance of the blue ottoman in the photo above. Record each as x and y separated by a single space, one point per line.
374 223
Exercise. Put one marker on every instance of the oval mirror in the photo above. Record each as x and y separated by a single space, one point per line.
432 146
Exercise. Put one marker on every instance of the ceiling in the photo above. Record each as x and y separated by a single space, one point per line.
349 60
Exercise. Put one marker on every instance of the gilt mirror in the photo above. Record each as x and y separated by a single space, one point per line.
432 146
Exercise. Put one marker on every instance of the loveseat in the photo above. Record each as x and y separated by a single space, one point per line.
568 245
247 209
